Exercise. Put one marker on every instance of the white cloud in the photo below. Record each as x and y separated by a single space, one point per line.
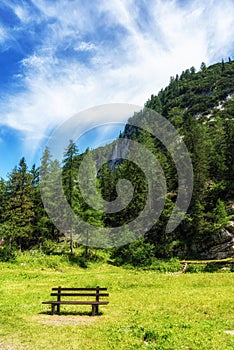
22 13
85 46
3 35
130 55
21 10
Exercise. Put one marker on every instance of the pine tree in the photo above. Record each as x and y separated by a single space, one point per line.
196 139
222 66
203 67
89 208
47 181
3 194
70 170
220 215
229 157
19 222
38 208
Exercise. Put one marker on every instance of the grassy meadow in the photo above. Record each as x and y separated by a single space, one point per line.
147 309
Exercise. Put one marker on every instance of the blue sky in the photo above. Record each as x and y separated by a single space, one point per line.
58 58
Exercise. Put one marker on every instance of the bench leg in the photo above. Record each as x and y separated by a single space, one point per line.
96 309
93 309
58 309
52 309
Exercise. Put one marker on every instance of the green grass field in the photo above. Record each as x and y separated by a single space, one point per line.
147 310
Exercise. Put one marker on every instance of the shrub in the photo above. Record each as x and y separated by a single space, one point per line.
49 247
7 254
78 260
194 268
137 254
169 265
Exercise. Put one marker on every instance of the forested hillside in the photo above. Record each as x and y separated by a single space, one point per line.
201 107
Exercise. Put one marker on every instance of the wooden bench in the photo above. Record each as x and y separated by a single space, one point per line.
92 298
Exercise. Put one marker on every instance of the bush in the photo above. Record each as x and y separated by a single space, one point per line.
78 260
137 254
195 268
170 265
7 254
49 247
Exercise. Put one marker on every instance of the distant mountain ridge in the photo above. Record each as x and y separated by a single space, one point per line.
197 94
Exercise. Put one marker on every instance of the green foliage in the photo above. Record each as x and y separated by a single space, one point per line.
49 247
195 268
137 254
166 265
7 253
20 214
200 105
70 169
221 216
211 267
50 173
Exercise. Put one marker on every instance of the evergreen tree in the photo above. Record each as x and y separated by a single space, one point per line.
38 208
19 223
222 65
3 201
196 139
220 215
229 157
70 170
203 67
89 208
47 175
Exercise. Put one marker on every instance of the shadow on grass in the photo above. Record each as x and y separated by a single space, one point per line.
70 313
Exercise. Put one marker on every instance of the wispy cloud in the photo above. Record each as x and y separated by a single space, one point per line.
2 35
86 54
85 46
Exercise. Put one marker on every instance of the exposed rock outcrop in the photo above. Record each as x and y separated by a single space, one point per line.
219 246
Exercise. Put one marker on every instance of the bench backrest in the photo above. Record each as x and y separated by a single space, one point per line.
79 292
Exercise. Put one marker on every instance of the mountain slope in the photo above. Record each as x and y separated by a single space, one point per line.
201 107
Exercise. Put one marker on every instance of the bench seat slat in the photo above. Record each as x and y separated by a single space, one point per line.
78 302
74 289
79 294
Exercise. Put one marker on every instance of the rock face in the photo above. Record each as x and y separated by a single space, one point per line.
114 153
220 245
224 247
119 152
